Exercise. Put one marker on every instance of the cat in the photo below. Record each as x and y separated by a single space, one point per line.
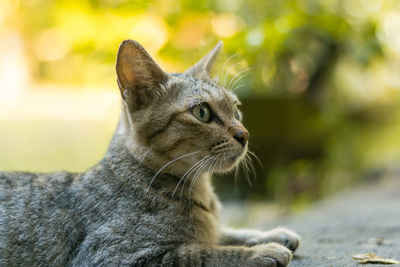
149 201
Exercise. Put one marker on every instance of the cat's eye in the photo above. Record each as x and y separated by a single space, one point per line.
237 114
202 112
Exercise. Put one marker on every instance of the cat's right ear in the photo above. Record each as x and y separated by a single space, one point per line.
138 75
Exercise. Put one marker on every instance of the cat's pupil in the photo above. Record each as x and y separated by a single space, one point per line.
201 112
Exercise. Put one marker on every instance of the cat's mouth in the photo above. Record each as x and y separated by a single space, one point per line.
232 160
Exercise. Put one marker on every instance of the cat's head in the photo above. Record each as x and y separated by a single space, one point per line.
178 122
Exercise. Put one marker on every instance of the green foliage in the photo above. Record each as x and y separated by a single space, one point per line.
321 100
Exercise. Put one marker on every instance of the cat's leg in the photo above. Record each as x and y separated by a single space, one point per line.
246 237
264 255
116 251
120 253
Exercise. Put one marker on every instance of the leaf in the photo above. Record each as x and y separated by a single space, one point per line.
372 258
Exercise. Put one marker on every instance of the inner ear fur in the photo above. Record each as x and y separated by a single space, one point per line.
139 77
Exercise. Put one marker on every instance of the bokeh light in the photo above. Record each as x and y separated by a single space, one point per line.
319 82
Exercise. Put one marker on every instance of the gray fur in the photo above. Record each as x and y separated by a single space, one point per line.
140 205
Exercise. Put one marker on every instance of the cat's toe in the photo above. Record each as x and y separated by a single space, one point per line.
290 238
293 243
283 236
272 254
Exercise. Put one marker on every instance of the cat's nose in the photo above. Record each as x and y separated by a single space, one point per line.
242 136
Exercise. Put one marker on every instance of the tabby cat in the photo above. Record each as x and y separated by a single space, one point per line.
149 202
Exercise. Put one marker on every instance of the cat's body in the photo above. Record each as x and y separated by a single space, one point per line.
144 203
74 218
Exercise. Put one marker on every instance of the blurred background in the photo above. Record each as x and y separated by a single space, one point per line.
319 82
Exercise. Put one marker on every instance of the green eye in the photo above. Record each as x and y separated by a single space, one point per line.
237 114
202 113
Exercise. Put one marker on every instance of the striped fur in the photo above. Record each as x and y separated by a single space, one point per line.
149 202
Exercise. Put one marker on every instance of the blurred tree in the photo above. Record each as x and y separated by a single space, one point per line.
321 94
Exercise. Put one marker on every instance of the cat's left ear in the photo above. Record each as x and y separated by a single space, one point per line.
139 76
203 67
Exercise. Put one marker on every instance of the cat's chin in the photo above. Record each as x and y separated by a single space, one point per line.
230 162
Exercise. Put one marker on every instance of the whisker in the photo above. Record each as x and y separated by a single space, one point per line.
145 154
211 170
228 71
236 173
238 77
251 165
193 182
197 169
255 156
239 86
170 162
248 160
233 86
187 173
223 66
220 161
246 170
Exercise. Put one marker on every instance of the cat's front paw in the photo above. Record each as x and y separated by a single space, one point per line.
269 255
280 235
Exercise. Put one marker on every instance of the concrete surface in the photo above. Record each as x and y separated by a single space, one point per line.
349 223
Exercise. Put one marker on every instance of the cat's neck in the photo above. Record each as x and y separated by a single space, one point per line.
130 164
